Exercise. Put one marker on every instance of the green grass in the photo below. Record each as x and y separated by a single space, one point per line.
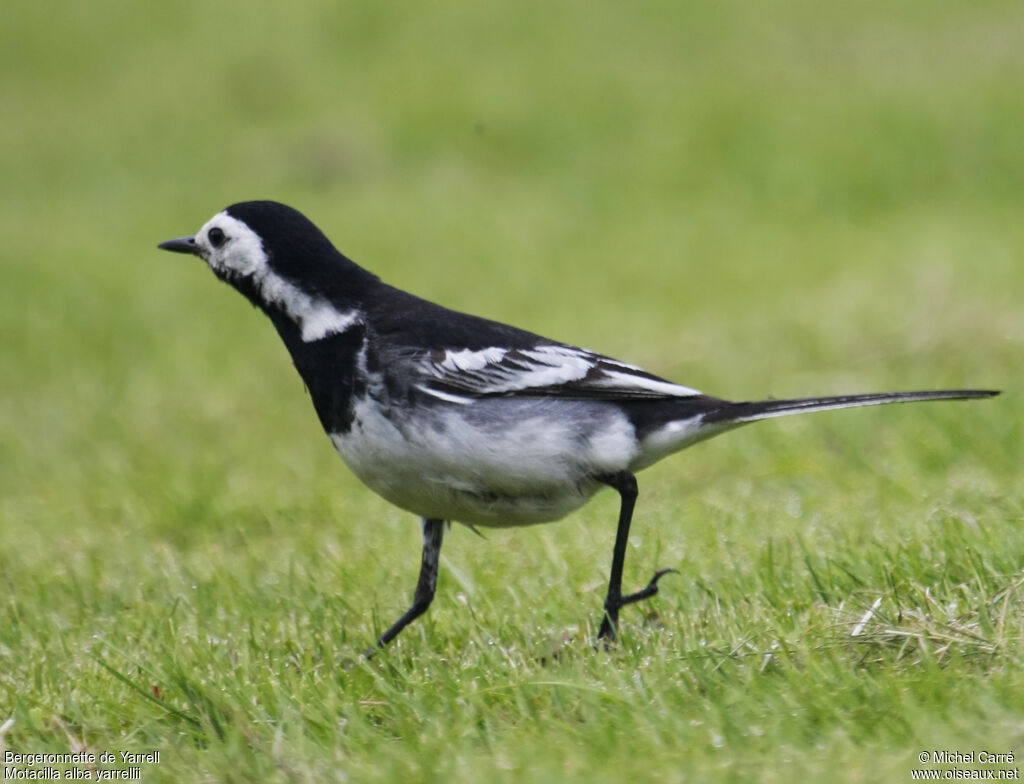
780 198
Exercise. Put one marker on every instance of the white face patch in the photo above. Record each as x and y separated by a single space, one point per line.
242 251
241 254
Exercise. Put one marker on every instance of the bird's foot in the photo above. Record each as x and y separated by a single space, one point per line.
610 622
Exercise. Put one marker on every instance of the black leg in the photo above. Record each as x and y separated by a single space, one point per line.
433 532
625 483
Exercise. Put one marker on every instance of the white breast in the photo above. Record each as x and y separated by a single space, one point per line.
491 462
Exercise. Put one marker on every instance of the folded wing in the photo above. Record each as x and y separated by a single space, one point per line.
551 370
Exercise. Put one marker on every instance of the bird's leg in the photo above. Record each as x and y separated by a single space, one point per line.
625 483
433 532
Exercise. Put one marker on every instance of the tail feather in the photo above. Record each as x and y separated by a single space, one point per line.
739 413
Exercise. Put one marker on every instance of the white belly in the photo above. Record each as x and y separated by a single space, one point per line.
492 462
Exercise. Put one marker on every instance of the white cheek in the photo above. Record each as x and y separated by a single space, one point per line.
241 262
243 253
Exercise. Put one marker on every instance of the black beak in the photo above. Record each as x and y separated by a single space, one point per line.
181 245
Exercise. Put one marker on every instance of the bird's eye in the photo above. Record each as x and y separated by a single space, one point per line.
216 237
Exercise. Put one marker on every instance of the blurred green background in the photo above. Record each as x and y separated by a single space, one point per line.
780 198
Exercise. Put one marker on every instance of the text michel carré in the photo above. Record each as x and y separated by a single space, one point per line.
971 757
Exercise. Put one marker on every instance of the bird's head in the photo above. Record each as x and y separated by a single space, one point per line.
280 260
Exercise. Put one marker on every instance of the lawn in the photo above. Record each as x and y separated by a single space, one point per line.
772 199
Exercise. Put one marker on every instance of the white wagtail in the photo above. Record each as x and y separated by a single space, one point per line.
457 418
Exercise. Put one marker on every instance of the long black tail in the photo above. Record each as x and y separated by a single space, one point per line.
739 413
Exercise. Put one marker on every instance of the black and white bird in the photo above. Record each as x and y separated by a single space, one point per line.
456 418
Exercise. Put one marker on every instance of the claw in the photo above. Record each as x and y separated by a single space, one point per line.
651 589
611 617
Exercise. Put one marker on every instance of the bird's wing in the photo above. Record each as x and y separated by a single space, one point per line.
543 369
471 357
